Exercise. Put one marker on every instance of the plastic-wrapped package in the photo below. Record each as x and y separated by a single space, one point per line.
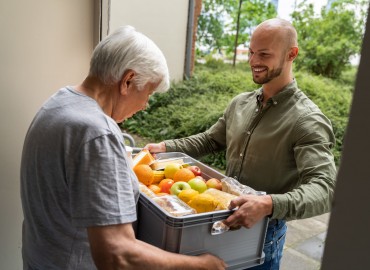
144 189
222 198
174 206
232 186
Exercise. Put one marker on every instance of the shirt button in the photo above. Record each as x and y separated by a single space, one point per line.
241 154
275 102
256 110
248 132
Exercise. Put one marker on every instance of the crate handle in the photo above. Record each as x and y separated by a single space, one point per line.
220 227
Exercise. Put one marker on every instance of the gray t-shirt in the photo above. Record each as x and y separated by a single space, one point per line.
75 173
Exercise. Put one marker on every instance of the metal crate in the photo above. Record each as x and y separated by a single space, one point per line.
191 235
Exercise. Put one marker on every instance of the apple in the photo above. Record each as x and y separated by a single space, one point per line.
200 177
197 184
179 186
165 185
214 183
171 169
195 169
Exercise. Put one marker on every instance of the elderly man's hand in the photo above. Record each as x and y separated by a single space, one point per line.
251 209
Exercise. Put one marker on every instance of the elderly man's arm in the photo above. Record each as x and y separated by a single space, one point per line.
115 247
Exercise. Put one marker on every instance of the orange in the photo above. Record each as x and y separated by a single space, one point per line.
183 174
156 189
166 185
144 173
170 169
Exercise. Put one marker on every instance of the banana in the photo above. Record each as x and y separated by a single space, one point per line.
158 176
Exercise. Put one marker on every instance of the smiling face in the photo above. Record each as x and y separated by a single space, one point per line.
267 57
272 50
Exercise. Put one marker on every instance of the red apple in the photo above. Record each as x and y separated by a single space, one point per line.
166 185
195 169
214 183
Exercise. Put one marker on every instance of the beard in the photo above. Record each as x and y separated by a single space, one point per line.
271 74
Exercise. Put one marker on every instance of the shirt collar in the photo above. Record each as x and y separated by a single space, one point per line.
287 91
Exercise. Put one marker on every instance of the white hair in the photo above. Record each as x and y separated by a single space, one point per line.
126 49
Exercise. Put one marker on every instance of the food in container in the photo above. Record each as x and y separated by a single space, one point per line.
174 206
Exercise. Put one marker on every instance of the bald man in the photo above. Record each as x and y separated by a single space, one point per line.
276 140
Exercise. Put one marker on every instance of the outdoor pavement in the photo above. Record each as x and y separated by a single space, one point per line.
304 243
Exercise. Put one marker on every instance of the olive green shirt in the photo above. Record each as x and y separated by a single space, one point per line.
283 148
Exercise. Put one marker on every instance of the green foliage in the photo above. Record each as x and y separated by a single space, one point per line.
348 76
192 106
189 106
253 12
327 42
216 64
217 23
211 25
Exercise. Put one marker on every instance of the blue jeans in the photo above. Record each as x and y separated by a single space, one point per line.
274 244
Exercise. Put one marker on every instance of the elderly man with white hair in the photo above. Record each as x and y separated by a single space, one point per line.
78 190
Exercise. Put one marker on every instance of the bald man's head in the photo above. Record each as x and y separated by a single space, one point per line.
280 29
272 50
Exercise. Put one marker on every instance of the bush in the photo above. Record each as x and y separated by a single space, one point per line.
192 106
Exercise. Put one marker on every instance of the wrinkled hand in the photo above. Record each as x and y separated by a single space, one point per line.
156 147
211 262
251 209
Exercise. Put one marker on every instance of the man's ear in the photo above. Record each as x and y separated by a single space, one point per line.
293 52
127 81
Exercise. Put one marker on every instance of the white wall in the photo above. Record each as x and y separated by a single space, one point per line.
44 45
164 21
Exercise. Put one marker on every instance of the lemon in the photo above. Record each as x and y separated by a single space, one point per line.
203 203
187 194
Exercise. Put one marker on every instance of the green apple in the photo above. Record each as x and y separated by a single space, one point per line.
198 184
179 186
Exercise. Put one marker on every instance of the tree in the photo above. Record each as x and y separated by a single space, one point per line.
246 16
328 41
225 24
211 24
237 31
